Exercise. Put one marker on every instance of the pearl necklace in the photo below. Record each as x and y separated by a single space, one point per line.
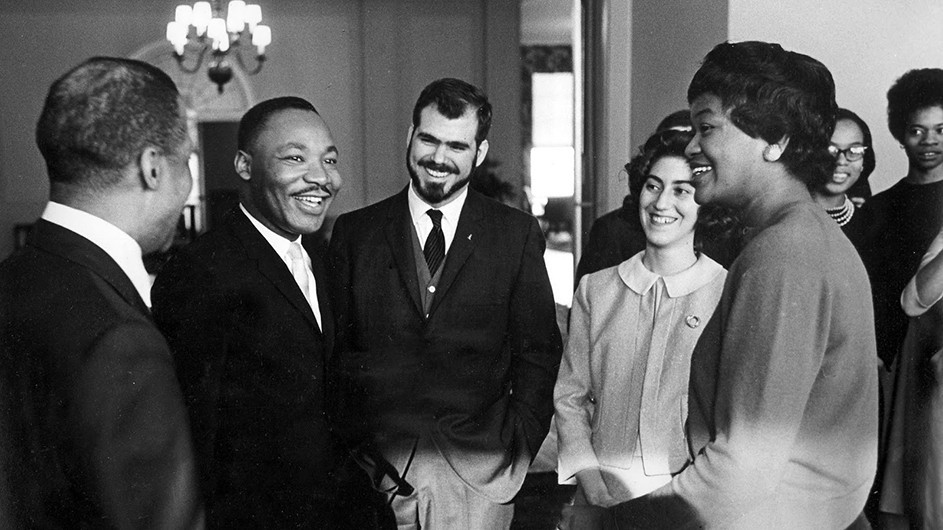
843 214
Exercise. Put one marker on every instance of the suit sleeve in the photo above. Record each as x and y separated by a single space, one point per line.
192 313
534 340
131 421
573 393
910 298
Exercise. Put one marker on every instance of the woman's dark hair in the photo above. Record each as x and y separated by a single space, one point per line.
917 89
772 93
713 221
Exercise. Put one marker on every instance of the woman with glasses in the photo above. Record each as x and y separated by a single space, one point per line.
621 393
854 158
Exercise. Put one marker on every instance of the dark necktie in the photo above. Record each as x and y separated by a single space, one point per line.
434 250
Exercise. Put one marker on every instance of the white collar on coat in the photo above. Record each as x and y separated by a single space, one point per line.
640 279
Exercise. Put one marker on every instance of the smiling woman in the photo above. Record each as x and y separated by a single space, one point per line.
855 160
606 403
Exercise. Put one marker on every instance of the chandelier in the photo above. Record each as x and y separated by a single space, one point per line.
203 27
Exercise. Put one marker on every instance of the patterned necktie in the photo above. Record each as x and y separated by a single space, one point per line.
434 249
299 269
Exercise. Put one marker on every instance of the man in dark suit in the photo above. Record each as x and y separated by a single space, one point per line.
91 404
246 312
447 344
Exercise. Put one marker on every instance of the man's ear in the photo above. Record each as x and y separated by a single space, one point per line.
243 165
409 136
482 152
151 168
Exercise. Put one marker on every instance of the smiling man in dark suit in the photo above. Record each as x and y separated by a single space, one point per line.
447 344
92 407
246 311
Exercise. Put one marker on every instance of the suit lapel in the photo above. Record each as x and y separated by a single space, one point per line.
463 244
400 240
269 263
65 243
324 302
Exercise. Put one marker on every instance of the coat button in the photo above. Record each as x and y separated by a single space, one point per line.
431 288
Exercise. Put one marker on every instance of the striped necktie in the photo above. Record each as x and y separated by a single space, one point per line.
434 249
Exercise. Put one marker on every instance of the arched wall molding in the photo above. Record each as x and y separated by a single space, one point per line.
201 96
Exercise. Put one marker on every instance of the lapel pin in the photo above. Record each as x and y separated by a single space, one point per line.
692 321
469 237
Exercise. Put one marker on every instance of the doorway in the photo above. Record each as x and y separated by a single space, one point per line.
551 125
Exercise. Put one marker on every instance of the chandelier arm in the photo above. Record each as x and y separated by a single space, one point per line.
181 57
259 60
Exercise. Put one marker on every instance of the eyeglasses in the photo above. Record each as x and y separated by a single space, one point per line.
853 153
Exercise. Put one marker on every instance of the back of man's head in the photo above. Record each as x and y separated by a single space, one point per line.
100 116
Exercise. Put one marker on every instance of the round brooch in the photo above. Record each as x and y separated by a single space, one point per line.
692 321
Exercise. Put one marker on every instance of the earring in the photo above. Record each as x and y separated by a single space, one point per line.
772 153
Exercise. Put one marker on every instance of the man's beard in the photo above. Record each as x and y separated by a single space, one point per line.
434 192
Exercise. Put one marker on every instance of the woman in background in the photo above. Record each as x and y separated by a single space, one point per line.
906 217
621 393
851 146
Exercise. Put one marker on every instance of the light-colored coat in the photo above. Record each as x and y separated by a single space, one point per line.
601 409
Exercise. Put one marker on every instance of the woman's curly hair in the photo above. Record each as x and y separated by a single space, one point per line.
713 222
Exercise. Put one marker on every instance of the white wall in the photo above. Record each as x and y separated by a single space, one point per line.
867 44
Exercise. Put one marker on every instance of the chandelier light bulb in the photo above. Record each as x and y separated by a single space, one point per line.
184 14
235 16
202 13
262 38
218 34
253 15
216 29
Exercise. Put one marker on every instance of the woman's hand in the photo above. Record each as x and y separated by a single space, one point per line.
594 488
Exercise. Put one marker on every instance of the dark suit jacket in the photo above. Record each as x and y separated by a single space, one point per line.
477 375
250 358
97 420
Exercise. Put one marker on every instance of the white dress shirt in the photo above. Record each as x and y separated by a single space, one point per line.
115 242
423 223
280 245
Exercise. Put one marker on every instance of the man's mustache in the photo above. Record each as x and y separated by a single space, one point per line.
326 188
429 164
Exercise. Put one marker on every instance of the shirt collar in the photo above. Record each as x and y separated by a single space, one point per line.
640 279
120 246
278 243
450 212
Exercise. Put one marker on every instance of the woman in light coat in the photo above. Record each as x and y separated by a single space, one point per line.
621 393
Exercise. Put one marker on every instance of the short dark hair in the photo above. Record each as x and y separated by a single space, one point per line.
772 93
712 221
917 89
452 97
101 115
254 120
